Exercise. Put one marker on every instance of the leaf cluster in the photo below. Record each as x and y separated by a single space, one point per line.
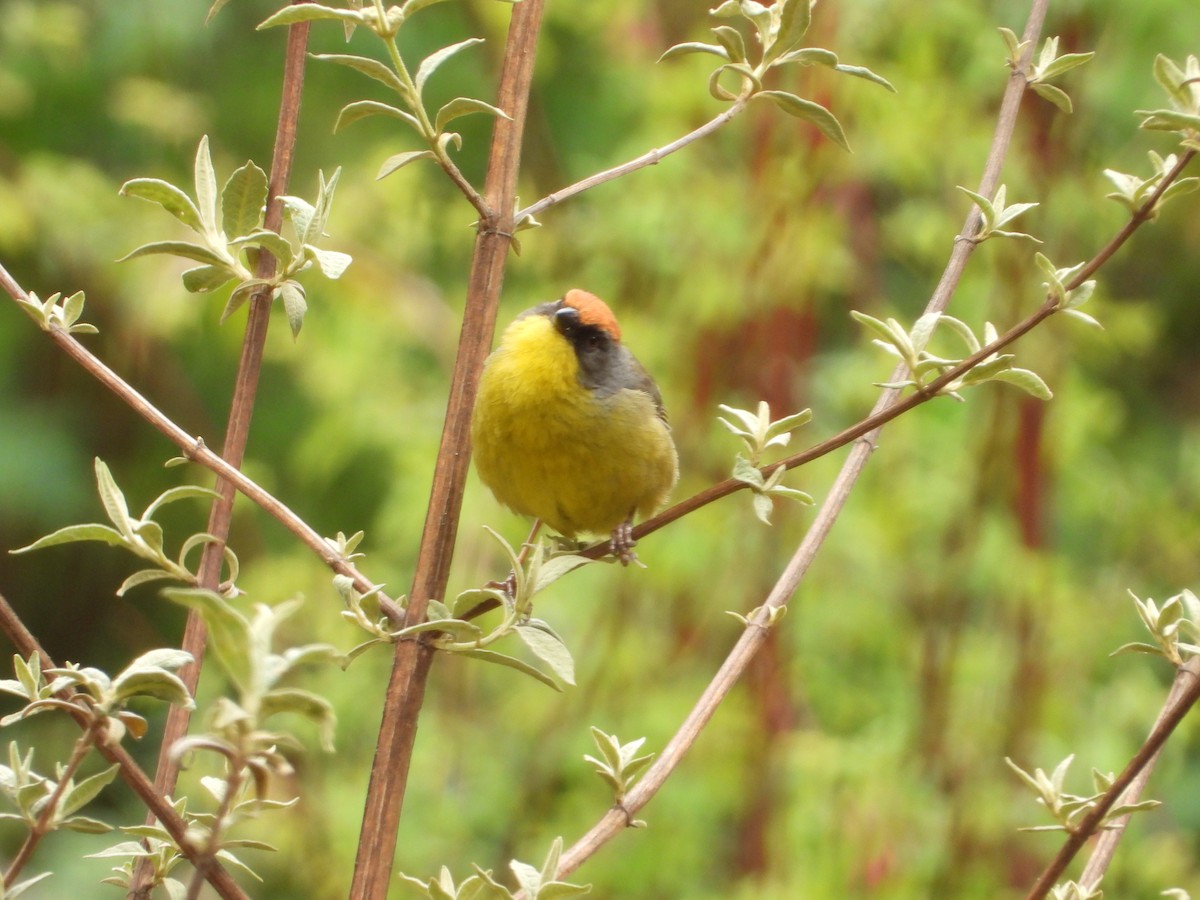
924 367
51 313
32 794
1067 808
1182 87
997 213
536 883
1132 192
430 125
778 31
1175 628
1047 66
230 226
618 765
141 535
759 433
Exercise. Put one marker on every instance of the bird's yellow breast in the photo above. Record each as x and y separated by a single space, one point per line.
551 448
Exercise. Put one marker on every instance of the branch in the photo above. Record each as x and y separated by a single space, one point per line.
195 449
241 409
1184 693
755 634
650 158
406 690
27 645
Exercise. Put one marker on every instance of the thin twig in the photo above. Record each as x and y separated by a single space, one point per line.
27 645
1184 694
241 407
406 689
40 828
1106 844
755 634
650 158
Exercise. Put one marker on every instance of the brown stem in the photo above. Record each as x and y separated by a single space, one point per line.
406 689
237 431
27 645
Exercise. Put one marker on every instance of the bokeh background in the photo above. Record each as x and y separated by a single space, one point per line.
964 607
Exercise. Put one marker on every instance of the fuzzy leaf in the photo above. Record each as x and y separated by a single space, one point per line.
294 305
695 47
813 113
513 663
430 64
331 263
465 106
548 647
243 199
372 68
361 109
206 279
176 248
166 195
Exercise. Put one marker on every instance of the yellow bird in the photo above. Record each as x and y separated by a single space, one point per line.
569 428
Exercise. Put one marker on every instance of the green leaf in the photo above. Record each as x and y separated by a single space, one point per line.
511 662
274 243
361 109
304 703
294 305
21 887
1065 63
547 646
206 187
733 42
372 68
866 74
86 791
746 472
243 199
151 682
1030 382
112 498
331 263
430 64
229 631
400 160
1168 120
144 576
72 533
795 17
763 506
177 248
1055 95
308 12
813 113
695 47
464 106
166 195
206 279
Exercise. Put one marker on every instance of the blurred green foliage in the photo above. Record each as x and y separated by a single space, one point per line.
962 610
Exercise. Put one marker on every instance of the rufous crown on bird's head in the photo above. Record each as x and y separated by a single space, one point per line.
593 311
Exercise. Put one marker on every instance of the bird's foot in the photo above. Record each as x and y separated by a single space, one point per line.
623 543
508 585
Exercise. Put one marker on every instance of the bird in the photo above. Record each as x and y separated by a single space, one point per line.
568 427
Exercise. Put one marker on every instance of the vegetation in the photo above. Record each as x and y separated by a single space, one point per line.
958 574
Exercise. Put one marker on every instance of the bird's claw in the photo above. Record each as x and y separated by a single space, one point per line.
623 543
